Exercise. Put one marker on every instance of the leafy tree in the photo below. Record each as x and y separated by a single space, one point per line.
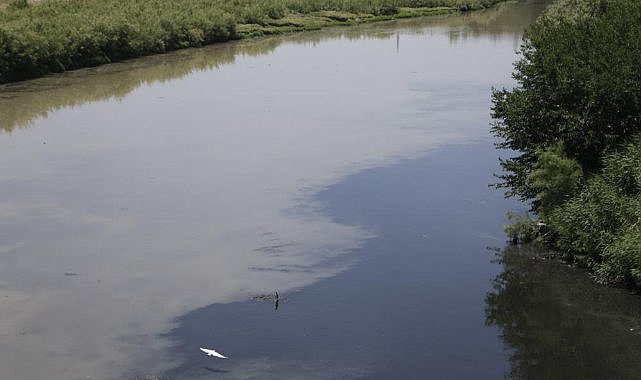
571 120
578 85
554 178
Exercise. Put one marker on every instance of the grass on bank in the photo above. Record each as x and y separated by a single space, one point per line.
58 35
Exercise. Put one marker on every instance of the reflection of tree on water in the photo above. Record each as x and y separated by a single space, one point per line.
557 323
497 21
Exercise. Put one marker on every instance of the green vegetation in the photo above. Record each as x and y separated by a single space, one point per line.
59 35
575 121
600 227
554 177
522 229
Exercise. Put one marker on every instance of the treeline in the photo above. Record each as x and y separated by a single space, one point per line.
59 35
575 121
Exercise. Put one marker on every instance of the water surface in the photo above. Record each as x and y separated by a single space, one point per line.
411 307
142 204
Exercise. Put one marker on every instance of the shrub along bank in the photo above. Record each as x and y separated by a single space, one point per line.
59 35
574 119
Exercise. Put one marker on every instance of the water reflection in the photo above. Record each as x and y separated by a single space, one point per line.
165 195
557 324
23 102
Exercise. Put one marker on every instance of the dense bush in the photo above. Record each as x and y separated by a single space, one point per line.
601 226
622 259
572 119
579 85
58 35
522 229
554 177
62 35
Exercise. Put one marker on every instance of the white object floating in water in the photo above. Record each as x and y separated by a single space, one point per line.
212 353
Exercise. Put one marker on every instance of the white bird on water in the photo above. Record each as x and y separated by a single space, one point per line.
213 353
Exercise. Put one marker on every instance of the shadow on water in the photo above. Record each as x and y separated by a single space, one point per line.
558 324
21 103
411 308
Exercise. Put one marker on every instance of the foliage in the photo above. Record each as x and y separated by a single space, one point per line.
554 177
622 259
578 85
522 229
18 4
599 227
59 35
571 118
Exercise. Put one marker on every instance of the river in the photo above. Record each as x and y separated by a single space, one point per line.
152 207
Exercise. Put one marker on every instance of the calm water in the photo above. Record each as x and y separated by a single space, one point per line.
144 204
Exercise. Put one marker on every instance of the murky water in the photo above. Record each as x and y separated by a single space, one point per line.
143 204
411 305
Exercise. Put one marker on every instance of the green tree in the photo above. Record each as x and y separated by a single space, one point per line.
554 178
578 84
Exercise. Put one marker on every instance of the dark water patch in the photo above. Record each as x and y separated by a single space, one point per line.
559 324
411 308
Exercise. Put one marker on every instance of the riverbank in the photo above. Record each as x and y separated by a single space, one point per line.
575 119
60 35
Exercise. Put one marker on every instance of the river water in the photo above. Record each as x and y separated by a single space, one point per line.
153 207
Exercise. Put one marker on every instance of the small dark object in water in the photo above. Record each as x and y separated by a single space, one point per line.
267 298
214 370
